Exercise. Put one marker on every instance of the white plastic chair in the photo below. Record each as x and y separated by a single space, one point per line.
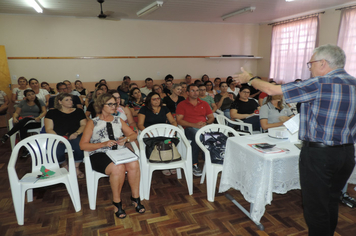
92 178
183 147
42 148
13 137
223 120
211 170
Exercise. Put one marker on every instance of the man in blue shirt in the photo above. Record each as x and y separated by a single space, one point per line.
327 129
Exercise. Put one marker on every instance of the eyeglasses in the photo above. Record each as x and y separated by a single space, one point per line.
309 64
245 92
155 99
117 97
111 104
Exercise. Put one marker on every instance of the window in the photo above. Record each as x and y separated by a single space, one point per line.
292 47
347 39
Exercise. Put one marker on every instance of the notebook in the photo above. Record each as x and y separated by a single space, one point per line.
121 156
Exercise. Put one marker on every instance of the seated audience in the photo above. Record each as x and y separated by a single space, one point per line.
224 99
263 95
62 88
123 112
207 98
4 102
123 89
103 87
28 115
171 101
45 85
135 102
148 88
96 140
68 122
102 81
205 78
80 89
210 89
42 94
232 86
244 108
194 114
167 87
217 82
184 89
274 113
158 89
198 82
90 112
73 92
17 93
188 79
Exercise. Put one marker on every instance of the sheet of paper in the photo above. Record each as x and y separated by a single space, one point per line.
292 124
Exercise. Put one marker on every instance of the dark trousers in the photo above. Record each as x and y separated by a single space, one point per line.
23 126
190 134
323 174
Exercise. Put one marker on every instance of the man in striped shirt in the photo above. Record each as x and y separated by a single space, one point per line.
327 129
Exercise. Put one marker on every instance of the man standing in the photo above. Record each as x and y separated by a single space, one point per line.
148 88
328 131
193 114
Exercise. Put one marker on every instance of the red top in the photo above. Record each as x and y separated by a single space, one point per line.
193 114
262 95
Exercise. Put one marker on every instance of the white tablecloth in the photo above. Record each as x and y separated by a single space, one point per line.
257 175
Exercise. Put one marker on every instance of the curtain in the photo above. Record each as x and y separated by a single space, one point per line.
292 47
347 39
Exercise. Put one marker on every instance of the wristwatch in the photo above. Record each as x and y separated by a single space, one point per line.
127 140
255 77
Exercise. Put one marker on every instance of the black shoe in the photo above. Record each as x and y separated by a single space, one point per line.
197 171
121 214
138 206
347 200
4 139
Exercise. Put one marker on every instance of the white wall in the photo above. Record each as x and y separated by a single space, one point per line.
38 36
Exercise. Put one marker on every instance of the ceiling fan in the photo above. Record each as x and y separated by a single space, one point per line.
108 14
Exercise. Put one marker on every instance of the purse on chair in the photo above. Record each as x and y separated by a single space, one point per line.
162 149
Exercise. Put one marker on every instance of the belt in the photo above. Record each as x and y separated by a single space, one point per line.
322 145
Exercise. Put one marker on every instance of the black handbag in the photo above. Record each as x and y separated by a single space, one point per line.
162 149
215 142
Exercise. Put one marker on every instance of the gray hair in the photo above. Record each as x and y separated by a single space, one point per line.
333 54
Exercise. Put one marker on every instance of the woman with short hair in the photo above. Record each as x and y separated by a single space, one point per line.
96 140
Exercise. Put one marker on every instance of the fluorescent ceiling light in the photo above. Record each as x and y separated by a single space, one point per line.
150 8
35 5
247 9
289 0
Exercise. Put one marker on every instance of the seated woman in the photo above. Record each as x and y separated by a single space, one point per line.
244 108
183 93
67 122
104 87
172 100
80 89
274 113
96 141
17 93
123 112
203 96
224 99
42 94
135 102
4 102
45 86
28 115
154 113
159 89
210 89
91 110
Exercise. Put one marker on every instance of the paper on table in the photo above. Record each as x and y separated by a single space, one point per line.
292 124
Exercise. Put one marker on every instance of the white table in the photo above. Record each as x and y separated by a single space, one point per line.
257 176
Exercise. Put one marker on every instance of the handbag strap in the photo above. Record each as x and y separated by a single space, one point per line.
111 134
